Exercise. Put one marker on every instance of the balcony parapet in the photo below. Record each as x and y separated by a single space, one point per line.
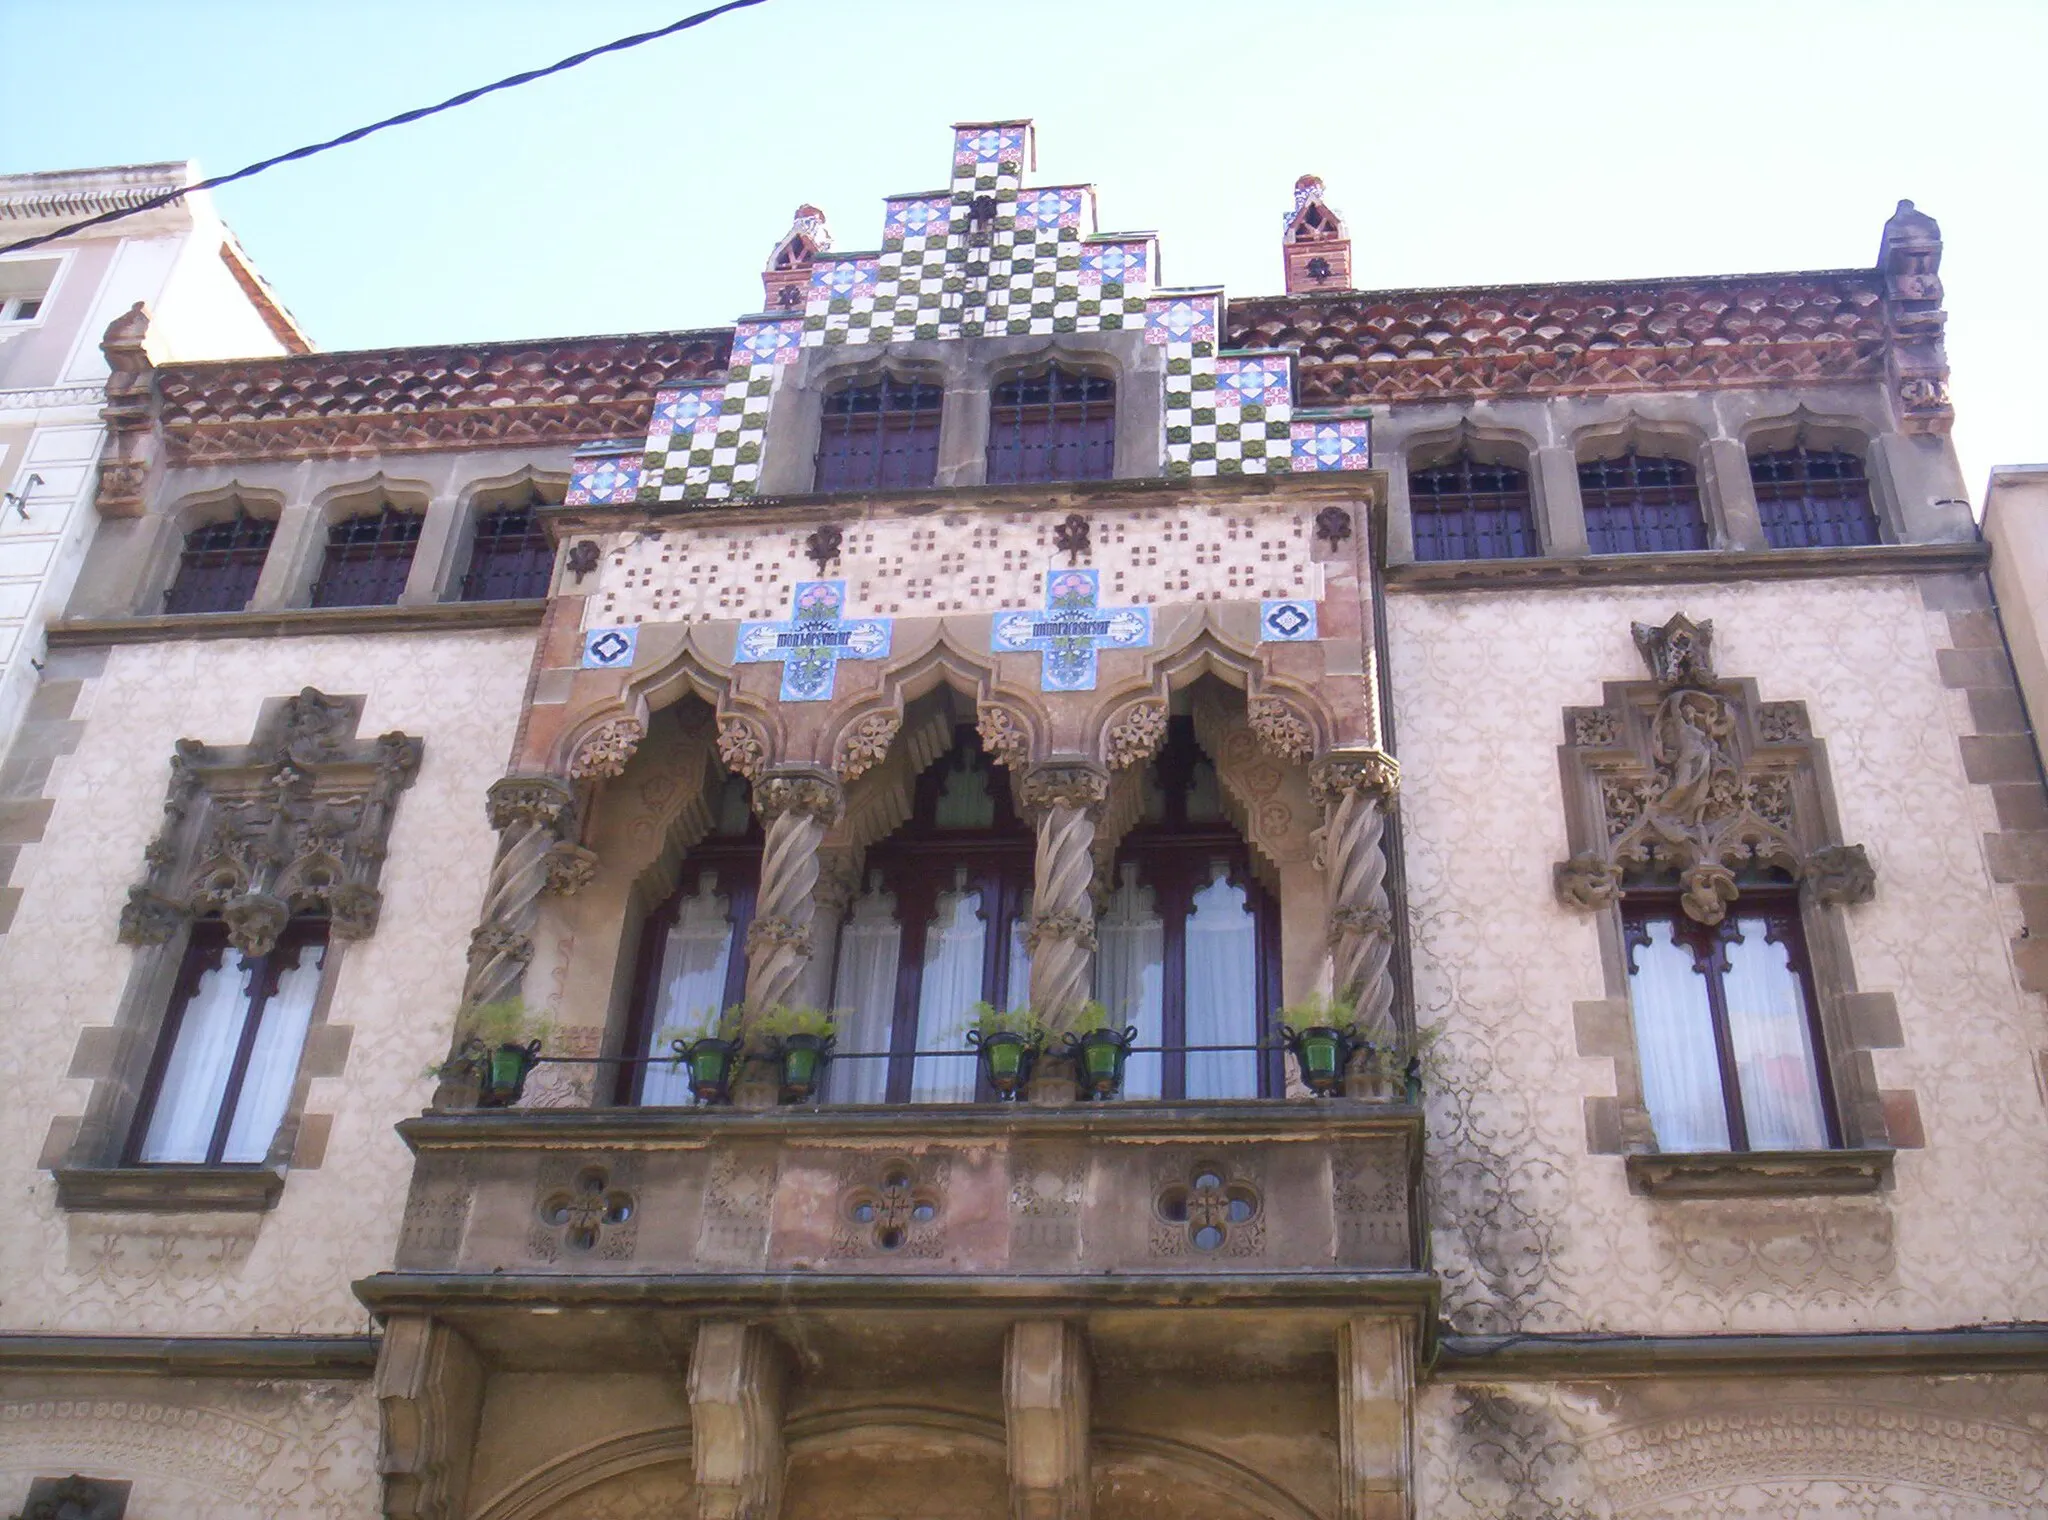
1010 1195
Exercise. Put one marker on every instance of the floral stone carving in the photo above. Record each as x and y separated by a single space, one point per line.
1136 736
868 744
1689 778
296 821
741 748
606 750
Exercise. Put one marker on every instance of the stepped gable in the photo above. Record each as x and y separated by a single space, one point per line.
1419 345
472 395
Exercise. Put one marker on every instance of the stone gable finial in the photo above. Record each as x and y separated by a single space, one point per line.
1680 653
789 266
1315 246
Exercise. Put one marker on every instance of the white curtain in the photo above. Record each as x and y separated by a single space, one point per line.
1130 965
1675 1043
1020 955
951 985
1222 991
690 987
1773 1039
195 1078
274 1059
869 943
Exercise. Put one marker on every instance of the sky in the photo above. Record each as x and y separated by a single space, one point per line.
1464 141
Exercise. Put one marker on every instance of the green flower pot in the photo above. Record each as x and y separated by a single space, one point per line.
1099 1057
802 1059
1006 1060
1321 1053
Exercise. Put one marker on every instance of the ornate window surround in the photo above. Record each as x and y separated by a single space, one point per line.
1694 776
296 822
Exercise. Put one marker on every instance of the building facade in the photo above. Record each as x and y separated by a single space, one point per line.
1588 700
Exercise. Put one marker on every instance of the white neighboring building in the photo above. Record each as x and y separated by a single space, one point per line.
204 301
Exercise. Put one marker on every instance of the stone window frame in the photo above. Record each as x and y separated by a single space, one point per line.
1772 754
968 370
1652 438
1765 435
313 862
1431 447
1079 365
476 500
200 510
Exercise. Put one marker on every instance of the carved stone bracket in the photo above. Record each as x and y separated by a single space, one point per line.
429 1388
1135 737
1688 778
606 749
867 745
736 1388
1046 1382
296 821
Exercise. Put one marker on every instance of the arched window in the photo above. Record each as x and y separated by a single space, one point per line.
1463 509
879 437
1812 498
693 961
1188 950
367 559
1053 425
511 556
1641 505
938 928
220 564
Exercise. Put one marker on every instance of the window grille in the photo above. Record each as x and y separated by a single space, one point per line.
1055 425
1463 509
229 1054
1638 505
220 564
1812 498
511 556
1727 1028
368 559
881 437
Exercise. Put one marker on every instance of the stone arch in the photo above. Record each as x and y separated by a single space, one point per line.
1298 721
1185 1480
620 1470
1663 437
939 660
896 1462
352 498
1486 442
1840 431
190 513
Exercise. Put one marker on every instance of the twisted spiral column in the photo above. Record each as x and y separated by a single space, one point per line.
1064 799
797 808
1355 790
533 815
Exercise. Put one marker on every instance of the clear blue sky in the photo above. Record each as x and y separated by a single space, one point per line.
1465 141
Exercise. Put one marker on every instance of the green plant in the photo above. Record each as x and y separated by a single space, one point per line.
1319 1010
1088 1018
782 1021
1409 1054
487 1026
704 1024
990 1020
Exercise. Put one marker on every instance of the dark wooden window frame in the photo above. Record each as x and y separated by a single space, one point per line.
220 563
735 859
1641 504
879 435
1708 945
1173 855
1813 498
207 950
370 552
1463 506
510 558
1051 424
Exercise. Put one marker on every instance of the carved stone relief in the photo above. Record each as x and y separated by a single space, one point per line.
587 1207
739 1200
1207 1206
1045 1203
606 749
296 821
892 1208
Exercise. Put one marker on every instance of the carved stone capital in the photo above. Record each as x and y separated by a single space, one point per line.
742 748
606 749
809 794
1588 881
1375 923
1281 731
491 941
1136 736
867 744
1840 875
570 868
1077 784
543 800
1344 771
766 934
1071 928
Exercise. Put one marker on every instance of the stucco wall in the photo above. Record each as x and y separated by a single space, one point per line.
1535 1233
61 970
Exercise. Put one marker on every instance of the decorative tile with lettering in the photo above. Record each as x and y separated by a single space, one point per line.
813 641
1070 630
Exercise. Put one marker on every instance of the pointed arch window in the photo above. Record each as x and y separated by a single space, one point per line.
368 559
1467 509
220 563
1055 424
510 556
939 927
1812 498
692 949
881 436
1188 950
1641 504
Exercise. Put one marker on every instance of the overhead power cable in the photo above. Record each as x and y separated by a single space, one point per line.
390 121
